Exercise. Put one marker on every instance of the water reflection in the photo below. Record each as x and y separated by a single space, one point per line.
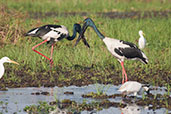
135 109
129 109
18 98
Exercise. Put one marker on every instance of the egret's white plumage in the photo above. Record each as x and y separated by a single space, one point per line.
134 87
142 40
2 61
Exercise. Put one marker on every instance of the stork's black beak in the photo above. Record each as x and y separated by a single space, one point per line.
82 35
85 41
25 34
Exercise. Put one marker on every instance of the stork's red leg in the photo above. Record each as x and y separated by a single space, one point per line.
123 69
123 76
126 78
51 51
33 48
51 60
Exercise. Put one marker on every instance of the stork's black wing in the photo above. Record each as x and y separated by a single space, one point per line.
129 44
41 31
130 53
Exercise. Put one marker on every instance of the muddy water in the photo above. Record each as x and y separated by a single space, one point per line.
14 100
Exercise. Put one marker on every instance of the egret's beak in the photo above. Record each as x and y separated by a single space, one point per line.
82 33
11 61
143 33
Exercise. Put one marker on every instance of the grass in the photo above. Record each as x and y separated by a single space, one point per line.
43 108
104 68
66 55
14 22
86 6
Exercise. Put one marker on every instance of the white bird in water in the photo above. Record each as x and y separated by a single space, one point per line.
2 61
134 87
118 48
142 40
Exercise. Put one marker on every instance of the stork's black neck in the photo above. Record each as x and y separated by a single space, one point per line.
76 28
98 32
73 36
90 22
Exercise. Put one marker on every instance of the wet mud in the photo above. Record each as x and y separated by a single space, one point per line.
80 76
154 101
69 93
66 103
100 96
105 104
112 15
41 93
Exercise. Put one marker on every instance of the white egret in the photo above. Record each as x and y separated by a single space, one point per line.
142 40
2 61
134 87
118 48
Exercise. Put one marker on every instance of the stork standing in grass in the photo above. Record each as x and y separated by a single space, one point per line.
142 40
118 48
52 34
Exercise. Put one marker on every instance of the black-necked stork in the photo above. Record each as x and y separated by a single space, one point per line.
119 48
52 34
2 61
141 41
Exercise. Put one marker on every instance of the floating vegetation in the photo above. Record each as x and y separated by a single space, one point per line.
100 96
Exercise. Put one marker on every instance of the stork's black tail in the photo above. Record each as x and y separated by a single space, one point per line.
144 58
32 32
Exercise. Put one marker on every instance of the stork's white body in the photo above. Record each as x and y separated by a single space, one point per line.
49 31
55 35
113 44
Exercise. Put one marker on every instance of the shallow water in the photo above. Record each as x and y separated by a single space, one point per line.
18 98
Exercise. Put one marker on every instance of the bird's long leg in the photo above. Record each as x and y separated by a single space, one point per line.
51 60
33 48
123 69
123 76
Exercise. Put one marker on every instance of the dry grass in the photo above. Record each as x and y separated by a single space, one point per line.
10 29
